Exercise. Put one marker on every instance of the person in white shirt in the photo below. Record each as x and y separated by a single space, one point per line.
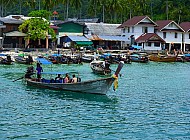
74 79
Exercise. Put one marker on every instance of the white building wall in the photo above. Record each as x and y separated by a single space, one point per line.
170 37
152 47
136 31
186 38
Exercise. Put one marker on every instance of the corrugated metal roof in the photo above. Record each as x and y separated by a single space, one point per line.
93 37
113 38
78 38
10 20
103 28
15 33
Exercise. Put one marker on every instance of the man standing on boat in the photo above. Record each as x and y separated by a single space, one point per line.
39 69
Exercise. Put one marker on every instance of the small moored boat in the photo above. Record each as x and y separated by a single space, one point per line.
139 57
100 67
24 60
162 58
5 59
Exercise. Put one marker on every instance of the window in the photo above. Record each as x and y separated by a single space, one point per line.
145 29
14 28
132 29
124 30
148 44
156 44
175 35
128 29
164 34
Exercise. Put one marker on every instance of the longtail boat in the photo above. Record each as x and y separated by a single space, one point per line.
100 67
5 59
96 86
23 60
162 58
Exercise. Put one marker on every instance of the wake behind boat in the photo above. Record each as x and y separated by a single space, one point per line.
96 86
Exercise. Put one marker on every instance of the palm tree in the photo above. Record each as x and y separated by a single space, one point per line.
4 4
114 7
94 4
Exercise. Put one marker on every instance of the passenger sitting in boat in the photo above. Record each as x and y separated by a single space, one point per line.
74 79
66 79
29 72
58 77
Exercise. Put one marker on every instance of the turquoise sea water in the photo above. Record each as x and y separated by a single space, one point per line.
152 102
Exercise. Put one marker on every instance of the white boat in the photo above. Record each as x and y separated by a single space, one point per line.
100 67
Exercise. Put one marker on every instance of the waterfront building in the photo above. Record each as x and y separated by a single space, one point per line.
139 31
171 32
186 35
10 35
104 35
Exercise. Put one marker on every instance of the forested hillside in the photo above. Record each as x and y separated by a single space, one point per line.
109 11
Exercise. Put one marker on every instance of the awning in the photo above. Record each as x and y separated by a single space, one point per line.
44 61
84 42
15 33
62 34
136 47
93 37
78 38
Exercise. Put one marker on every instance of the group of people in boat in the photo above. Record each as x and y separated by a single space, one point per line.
67 78
58 79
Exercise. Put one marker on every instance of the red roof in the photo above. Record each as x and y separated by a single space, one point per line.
149 37
185 26
55 12
54 27
163 23
134 21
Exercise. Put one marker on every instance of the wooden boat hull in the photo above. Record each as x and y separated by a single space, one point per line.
157 58
22 60
101 71
5 61
139 58
98 67
98 86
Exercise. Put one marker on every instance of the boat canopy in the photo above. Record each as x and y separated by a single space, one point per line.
2 54
43 61
80 40
56 73
55 55
136 47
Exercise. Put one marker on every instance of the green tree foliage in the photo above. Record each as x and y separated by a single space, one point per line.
113 11
37 27
40 13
